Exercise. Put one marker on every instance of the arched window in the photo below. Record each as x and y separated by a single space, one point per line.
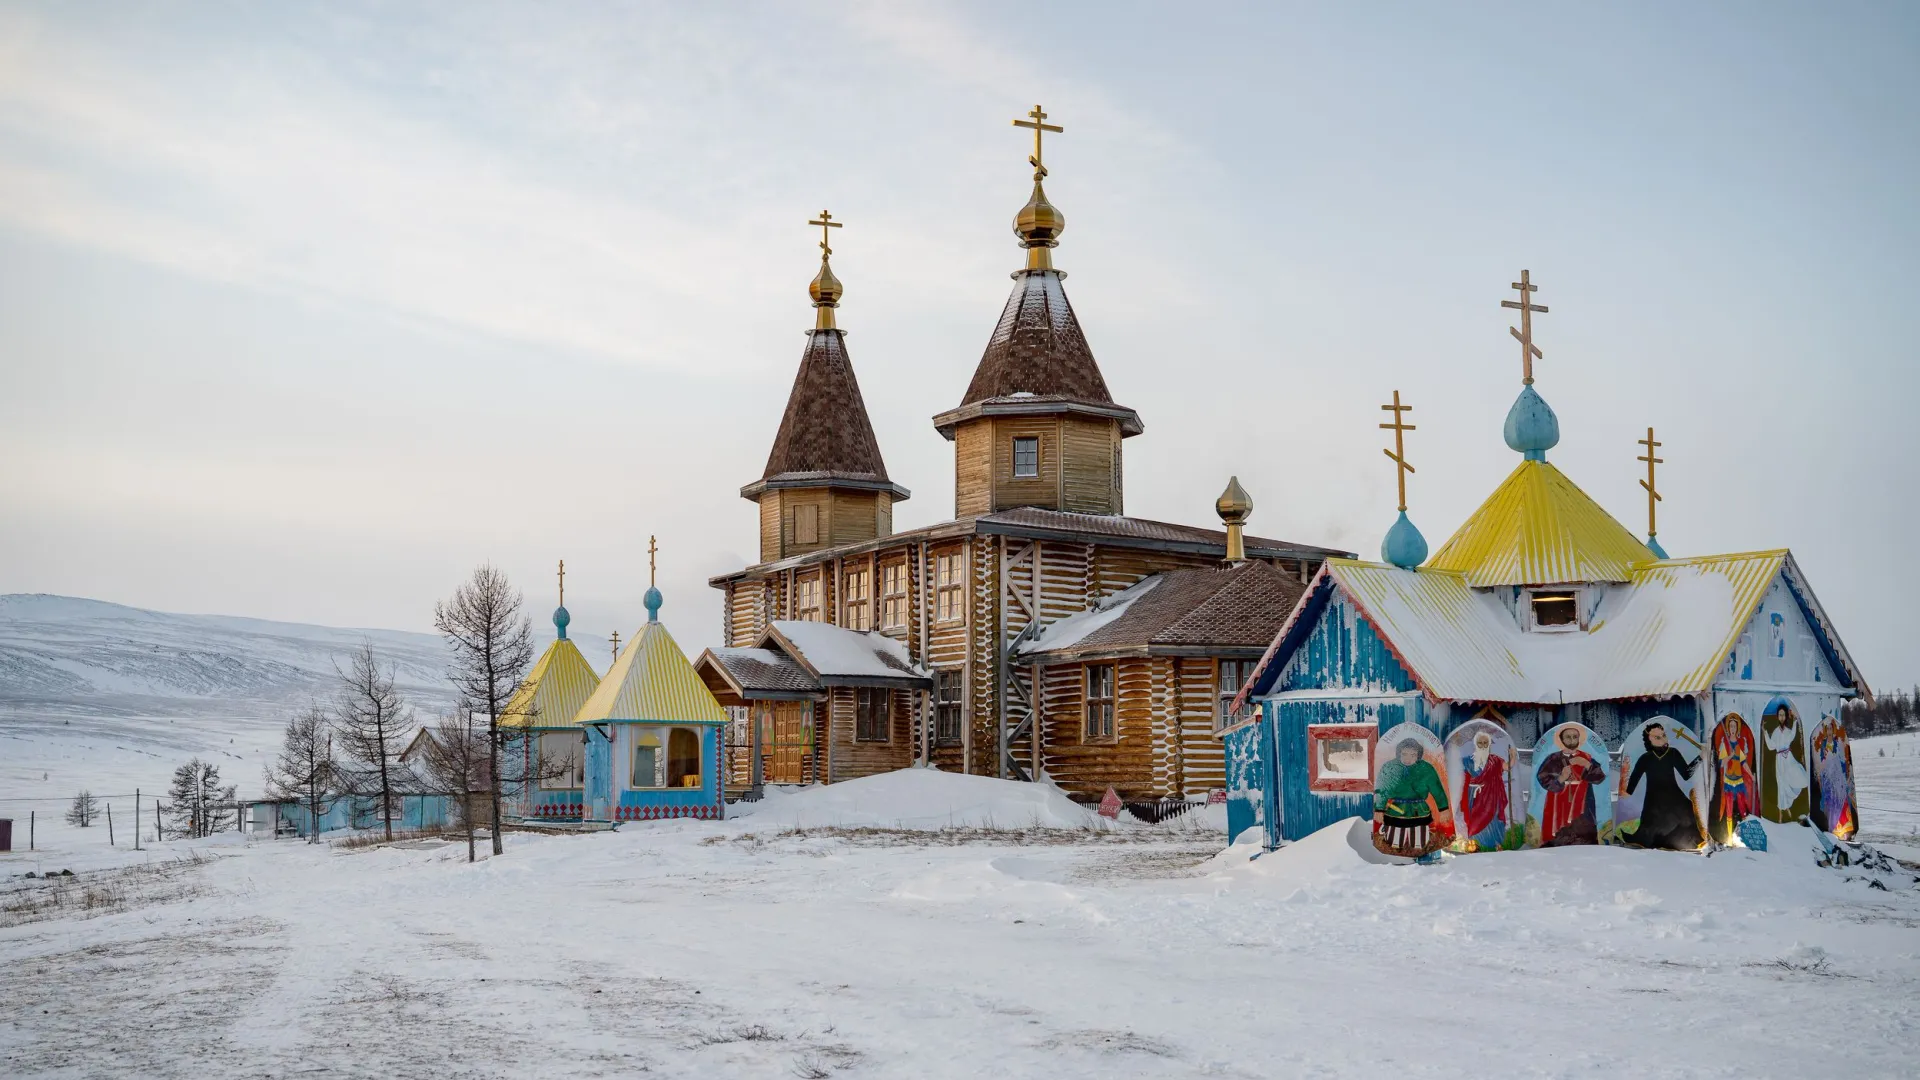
683 758
649 763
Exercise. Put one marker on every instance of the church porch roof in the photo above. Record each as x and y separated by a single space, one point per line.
1224 611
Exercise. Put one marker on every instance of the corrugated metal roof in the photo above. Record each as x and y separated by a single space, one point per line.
551 695
1663 633
1539 528
652 680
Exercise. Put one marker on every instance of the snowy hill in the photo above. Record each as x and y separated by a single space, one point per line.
108 697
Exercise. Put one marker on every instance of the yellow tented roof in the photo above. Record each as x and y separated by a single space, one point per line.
552 693
652 680
1539 528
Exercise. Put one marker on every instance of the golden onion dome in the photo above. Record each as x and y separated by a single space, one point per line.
825 289
1234 505
1039 223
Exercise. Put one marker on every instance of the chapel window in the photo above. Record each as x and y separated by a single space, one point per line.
1555 607
1233 675
683 758
950 576
560 764
893 596
649 762
947 684
1099 706
858 614
807 599
873 714
1026 457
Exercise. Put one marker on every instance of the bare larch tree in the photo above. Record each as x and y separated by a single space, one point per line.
491 641
303 770
197 802
373 720
458 762
84 809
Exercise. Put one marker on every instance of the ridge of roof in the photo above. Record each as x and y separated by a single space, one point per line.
1539 528
825 429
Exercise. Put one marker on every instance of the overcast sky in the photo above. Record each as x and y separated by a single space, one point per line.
304 311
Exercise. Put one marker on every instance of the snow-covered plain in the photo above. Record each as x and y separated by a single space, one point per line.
748 948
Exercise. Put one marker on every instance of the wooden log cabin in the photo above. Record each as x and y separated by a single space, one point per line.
1039 535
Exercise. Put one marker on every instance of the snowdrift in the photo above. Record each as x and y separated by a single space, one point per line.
921 800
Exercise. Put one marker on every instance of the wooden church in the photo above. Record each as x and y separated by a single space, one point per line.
855 649
1546 678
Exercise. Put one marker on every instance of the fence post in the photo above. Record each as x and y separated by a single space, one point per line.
109 824
136 819
32 815
157 838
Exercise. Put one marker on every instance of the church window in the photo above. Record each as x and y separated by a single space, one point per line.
1338 756
1026 457
683 758
1555 607
806 524
1099 706
858 614
893 596
873 714
1233 675
951 574
560 764
947 683
806 603
649 769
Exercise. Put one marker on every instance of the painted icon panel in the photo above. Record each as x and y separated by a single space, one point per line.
1409 797
1658 805
1479 777
1783 764
1571 802
1833 807
1736 777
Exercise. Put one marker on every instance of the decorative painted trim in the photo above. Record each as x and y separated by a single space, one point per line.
1370 733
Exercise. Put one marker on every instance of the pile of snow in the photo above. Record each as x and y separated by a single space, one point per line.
921 800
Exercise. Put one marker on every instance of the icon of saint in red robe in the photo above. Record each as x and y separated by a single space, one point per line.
1569 776
1483 803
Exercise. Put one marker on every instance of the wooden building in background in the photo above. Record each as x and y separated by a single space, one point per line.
1039 535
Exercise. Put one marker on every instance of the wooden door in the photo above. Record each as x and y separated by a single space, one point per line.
791 744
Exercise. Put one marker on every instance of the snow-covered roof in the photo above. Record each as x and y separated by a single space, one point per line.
1664 633
835 653
1232 609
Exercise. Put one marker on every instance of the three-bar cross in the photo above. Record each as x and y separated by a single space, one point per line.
825 221
1039 126
1529 352
1399 427
652 548
1653 496
616 644
563 583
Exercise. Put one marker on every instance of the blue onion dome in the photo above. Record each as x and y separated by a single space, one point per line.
1531 428
1404 547
652 601
560 621
1658 551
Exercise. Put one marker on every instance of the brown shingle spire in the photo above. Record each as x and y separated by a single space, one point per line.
825 432
1038 348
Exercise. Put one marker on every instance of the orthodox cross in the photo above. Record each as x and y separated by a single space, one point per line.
1399 427
1653 495
1040 127
825 222
1529 352
563 583
651 549
616 644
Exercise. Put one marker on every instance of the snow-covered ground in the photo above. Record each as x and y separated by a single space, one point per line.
744 948
1889 779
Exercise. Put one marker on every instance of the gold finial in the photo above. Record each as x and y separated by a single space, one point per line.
652 549
1234 507
1653 495
825 289
1529 352
1039 223
563 583
1399 427
616 644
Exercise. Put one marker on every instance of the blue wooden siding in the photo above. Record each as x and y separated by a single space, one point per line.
1343 652
1247 786
410 812
1303 811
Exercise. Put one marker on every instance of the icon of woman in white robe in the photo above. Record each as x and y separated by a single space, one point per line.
1789 776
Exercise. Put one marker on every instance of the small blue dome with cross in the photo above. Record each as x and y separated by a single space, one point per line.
1404 547
652 600
560 621
1531 427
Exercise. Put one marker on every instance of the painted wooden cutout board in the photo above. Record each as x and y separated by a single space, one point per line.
1736 780
1783 764
1572 801
1658 805
1479 770
1832 806
1410 802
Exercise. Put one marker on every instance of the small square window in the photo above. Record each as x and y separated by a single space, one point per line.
1026 457
1340 757
1556 608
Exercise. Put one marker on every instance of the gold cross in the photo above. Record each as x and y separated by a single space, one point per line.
825 221
616 644
1039 127
563 583
651 549
1653 496
1399 427
1529 352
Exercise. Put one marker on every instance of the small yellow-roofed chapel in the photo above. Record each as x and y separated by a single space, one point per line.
1546 678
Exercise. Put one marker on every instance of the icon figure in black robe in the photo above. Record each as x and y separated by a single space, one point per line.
1666 817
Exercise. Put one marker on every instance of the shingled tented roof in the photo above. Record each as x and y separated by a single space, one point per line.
1216 610
825 433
